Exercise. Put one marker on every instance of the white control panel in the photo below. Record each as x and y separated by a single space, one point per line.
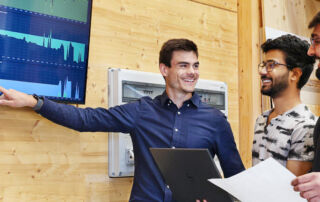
128 86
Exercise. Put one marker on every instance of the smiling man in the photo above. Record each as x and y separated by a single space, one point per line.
177 118
285 132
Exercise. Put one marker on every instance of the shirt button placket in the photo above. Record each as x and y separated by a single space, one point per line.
177 128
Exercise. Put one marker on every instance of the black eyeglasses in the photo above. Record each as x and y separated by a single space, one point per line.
269 65
315 41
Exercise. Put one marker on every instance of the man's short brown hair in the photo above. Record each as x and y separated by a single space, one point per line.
172 45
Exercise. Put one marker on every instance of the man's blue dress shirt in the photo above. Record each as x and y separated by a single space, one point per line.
156 123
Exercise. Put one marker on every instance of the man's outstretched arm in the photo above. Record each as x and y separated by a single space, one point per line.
116 119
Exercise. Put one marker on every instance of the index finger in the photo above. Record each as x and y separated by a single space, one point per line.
3 90
302 179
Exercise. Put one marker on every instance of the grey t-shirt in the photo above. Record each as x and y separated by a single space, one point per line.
289 136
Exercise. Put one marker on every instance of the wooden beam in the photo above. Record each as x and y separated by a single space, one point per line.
249 23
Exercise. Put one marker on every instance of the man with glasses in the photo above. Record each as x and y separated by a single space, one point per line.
309 184
285 131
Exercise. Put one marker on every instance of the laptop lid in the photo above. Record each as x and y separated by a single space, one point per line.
187 171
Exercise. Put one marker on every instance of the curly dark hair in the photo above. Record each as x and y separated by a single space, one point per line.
315 21
295 51
175 45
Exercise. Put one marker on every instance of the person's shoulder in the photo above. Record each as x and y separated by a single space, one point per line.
210 108
266 113
261 118
146 103
302 113
138 103
145 99
300 118
215 113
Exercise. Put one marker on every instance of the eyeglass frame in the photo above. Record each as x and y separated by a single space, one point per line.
314 41
272 67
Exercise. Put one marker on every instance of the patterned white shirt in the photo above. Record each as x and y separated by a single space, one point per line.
289 136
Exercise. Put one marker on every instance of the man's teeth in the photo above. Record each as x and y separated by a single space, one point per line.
188 80
266 81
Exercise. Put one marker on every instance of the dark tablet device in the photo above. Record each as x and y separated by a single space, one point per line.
186 172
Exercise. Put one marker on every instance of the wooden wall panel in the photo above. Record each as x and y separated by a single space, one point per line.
226 4
290 15
249 24
41 161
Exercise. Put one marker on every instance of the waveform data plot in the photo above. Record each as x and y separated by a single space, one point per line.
68 9
49 90
60 83
44 47
50 51
66 89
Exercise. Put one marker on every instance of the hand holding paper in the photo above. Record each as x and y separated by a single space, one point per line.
308 185
268 181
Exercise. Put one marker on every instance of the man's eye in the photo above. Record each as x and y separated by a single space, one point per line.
270 65
317 41
183 65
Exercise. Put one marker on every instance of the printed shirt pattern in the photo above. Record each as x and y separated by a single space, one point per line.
289 136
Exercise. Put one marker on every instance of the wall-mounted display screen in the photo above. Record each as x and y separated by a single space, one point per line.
44 47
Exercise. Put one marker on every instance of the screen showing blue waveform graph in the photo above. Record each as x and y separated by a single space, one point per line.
44 47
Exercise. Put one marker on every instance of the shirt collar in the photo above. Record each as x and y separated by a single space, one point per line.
195 99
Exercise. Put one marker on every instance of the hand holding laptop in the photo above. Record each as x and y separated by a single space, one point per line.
187 171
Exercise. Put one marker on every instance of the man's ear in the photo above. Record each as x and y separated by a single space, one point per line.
163 69
296 74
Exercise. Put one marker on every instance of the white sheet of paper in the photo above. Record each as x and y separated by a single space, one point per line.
268 181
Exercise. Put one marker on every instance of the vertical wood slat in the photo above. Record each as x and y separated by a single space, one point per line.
249 23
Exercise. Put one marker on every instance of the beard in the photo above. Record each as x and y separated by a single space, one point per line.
278 86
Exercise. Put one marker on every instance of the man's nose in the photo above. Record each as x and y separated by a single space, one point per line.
263 71
311 51
191 70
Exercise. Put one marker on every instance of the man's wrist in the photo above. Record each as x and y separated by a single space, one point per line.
32 101
39 102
